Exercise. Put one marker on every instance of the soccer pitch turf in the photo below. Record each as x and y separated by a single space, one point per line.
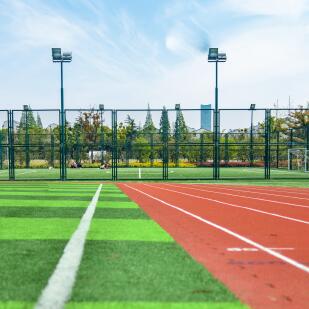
154 173
129 261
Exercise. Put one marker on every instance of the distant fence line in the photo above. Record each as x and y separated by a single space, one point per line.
157 139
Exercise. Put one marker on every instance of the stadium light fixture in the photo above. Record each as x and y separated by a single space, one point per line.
59 56
101 107
252 106
177 107
25 107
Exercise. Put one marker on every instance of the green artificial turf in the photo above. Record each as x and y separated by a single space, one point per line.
127 229
117 204
156 173
37 228
129 260
26 266
41 212
131 271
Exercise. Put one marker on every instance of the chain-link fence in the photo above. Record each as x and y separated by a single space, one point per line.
154 144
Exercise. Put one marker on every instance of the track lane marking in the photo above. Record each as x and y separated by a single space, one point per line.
238 249
229 232
265 193
60 283
243 196
231 205
259 188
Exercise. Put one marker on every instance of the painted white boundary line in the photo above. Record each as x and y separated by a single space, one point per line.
59 287
237 195
258 192
230 205
139 173
257 187
231 233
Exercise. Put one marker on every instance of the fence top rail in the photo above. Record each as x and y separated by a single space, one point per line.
139 110
37 110
157 109
88 110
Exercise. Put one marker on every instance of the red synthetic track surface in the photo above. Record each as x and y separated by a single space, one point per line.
271 217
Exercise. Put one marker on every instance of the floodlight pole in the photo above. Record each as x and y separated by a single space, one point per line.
62 128
215 56
216 124
58 56
251 139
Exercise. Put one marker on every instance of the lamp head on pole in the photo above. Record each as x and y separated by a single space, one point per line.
215 56
252 106
59 56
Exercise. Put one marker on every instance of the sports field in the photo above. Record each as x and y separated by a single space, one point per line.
154 173
128 261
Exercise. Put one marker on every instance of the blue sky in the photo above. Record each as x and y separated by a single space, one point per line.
129 53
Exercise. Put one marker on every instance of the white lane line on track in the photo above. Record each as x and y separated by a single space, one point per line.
60 283
237 249
258 188
231 205
252 191
243 196
229 232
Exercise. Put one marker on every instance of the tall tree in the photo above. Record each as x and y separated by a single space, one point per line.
27 118
39 121
149 126
164 125
181 129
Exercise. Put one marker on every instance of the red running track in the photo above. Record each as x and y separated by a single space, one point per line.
253 239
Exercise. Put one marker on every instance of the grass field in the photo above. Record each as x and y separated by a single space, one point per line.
154 173
129 260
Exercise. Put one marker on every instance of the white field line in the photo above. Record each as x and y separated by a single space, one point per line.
231 233
59 287
26 172
139 173
249 191
244 196
230 204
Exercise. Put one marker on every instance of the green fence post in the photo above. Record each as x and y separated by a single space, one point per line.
11 145
114 146
226 148
1 160
177 138
165 149
277 148
52 150
267 143
307 136
202 149
101 137
290 145
27 141
151 150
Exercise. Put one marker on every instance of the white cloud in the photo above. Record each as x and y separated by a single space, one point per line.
42 27
268 7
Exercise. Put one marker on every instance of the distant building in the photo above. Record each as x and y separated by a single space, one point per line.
206 117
